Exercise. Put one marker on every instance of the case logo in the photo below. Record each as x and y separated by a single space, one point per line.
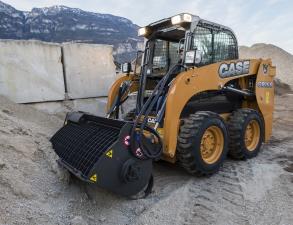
234 69
151 120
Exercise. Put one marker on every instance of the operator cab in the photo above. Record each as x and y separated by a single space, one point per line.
188 40
183 41
164 49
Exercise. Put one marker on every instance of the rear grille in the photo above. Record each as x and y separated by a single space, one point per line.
81 145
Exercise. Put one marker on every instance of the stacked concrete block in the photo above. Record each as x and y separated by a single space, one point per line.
95 106
89 69
31 71
40 73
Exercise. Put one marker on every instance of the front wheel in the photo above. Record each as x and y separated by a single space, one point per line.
202 143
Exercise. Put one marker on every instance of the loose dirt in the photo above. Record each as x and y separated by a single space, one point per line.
34 190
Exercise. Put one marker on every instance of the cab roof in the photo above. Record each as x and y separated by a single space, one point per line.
166 23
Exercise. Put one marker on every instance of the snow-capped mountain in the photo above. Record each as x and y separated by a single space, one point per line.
63 24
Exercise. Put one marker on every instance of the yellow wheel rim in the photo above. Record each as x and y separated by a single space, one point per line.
252 135
212 144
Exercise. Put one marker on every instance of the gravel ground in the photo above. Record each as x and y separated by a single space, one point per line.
34 190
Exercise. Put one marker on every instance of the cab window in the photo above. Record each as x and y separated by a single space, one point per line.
164 57
202 41
225 46
214 45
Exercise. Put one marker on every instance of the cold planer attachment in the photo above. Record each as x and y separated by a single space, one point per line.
97 151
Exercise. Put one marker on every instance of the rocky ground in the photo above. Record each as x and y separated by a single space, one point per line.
34 190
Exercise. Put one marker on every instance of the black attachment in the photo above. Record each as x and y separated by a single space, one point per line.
130 171
146 191
81 144
96 150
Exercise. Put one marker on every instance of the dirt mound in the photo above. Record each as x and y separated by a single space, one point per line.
282 59
28 172
34 190
281 88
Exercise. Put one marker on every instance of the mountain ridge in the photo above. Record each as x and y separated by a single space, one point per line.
60 23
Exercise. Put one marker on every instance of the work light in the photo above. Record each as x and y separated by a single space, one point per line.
181 18
126 67
142 31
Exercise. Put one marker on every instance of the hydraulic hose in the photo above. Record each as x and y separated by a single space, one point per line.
137 136
118 100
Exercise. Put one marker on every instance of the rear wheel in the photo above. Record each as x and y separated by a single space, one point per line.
202 143
246 129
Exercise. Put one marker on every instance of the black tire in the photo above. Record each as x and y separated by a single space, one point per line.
237 125
190 136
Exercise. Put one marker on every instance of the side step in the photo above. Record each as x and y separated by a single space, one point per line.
95 150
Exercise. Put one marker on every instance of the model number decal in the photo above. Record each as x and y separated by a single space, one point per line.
234 69
264 84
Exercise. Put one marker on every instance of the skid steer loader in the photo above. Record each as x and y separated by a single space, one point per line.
196 102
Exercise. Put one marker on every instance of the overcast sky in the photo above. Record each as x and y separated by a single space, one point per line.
258 21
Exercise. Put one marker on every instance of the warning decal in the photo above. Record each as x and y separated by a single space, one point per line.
267 97
94 178
110 154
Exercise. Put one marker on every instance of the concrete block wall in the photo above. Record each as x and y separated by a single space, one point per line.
31 71
45 74
95 106
89 69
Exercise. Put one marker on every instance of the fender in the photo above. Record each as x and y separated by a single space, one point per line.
114 90
265 94
190 83
115 87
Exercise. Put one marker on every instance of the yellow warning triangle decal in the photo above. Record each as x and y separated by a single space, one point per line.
94 178
110 154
